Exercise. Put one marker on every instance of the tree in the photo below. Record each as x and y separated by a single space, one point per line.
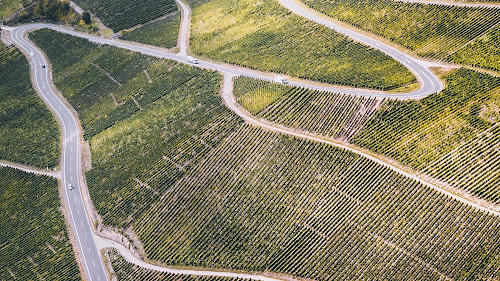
86 17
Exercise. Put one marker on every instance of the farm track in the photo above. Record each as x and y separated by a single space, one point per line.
56 175
71 146
450 3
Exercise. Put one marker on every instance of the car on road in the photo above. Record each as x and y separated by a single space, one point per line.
32 54
70 187
192 60
280 79
43 65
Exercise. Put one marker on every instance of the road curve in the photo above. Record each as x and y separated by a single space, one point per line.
70 162
430 83
103 243
230 102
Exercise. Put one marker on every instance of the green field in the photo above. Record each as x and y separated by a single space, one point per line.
33 237
124 14
433 31
328 114
267 37
200 188
162 33
29 134
482 52
144 134
266 202
124 270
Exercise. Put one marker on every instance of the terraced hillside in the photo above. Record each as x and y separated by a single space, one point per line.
200 188
28 132
124 270
266 36
328 114
433 31
144 134
8 7
123 14
35 244
162 33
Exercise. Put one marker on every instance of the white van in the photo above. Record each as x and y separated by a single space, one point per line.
280 79
192 60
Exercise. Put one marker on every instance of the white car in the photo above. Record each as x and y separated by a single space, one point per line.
70 187
32 54
280 80
192 60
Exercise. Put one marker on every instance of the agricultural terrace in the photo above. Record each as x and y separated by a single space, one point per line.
265 36
262 201
35 244
433 31
144 134
161 33
484 51
29 133
123 14
420 133
124 270
329 114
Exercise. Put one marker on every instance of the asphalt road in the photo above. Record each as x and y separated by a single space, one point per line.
70 162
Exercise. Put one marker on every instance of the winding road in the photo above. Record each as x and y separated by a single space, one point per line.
87 242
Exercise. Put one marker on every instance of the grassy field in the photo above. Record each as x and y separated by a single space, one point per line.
328 114
123 14
268 37
33 238
433 31
162 33
265 202
482 52
123 270
144 134
29 134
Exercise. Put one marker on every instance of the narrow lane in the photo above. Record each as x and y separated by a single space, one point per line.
70 162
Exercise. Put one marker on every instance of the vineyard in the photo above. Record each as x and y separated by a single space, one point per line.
144 134
162 33
433 31
328 114
123 14
417 133
262 201
482 52
33 238
29 133
124 270
267 37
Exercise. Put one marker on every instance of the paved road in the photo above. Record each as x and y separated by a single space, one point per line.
430 83
184 28
70 163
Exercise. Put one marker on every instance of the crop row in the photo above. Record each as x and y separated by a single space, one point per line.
33 237
124 270
267 37
120 14
432 31
328 114
146 130
29 133
266 202
162 33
